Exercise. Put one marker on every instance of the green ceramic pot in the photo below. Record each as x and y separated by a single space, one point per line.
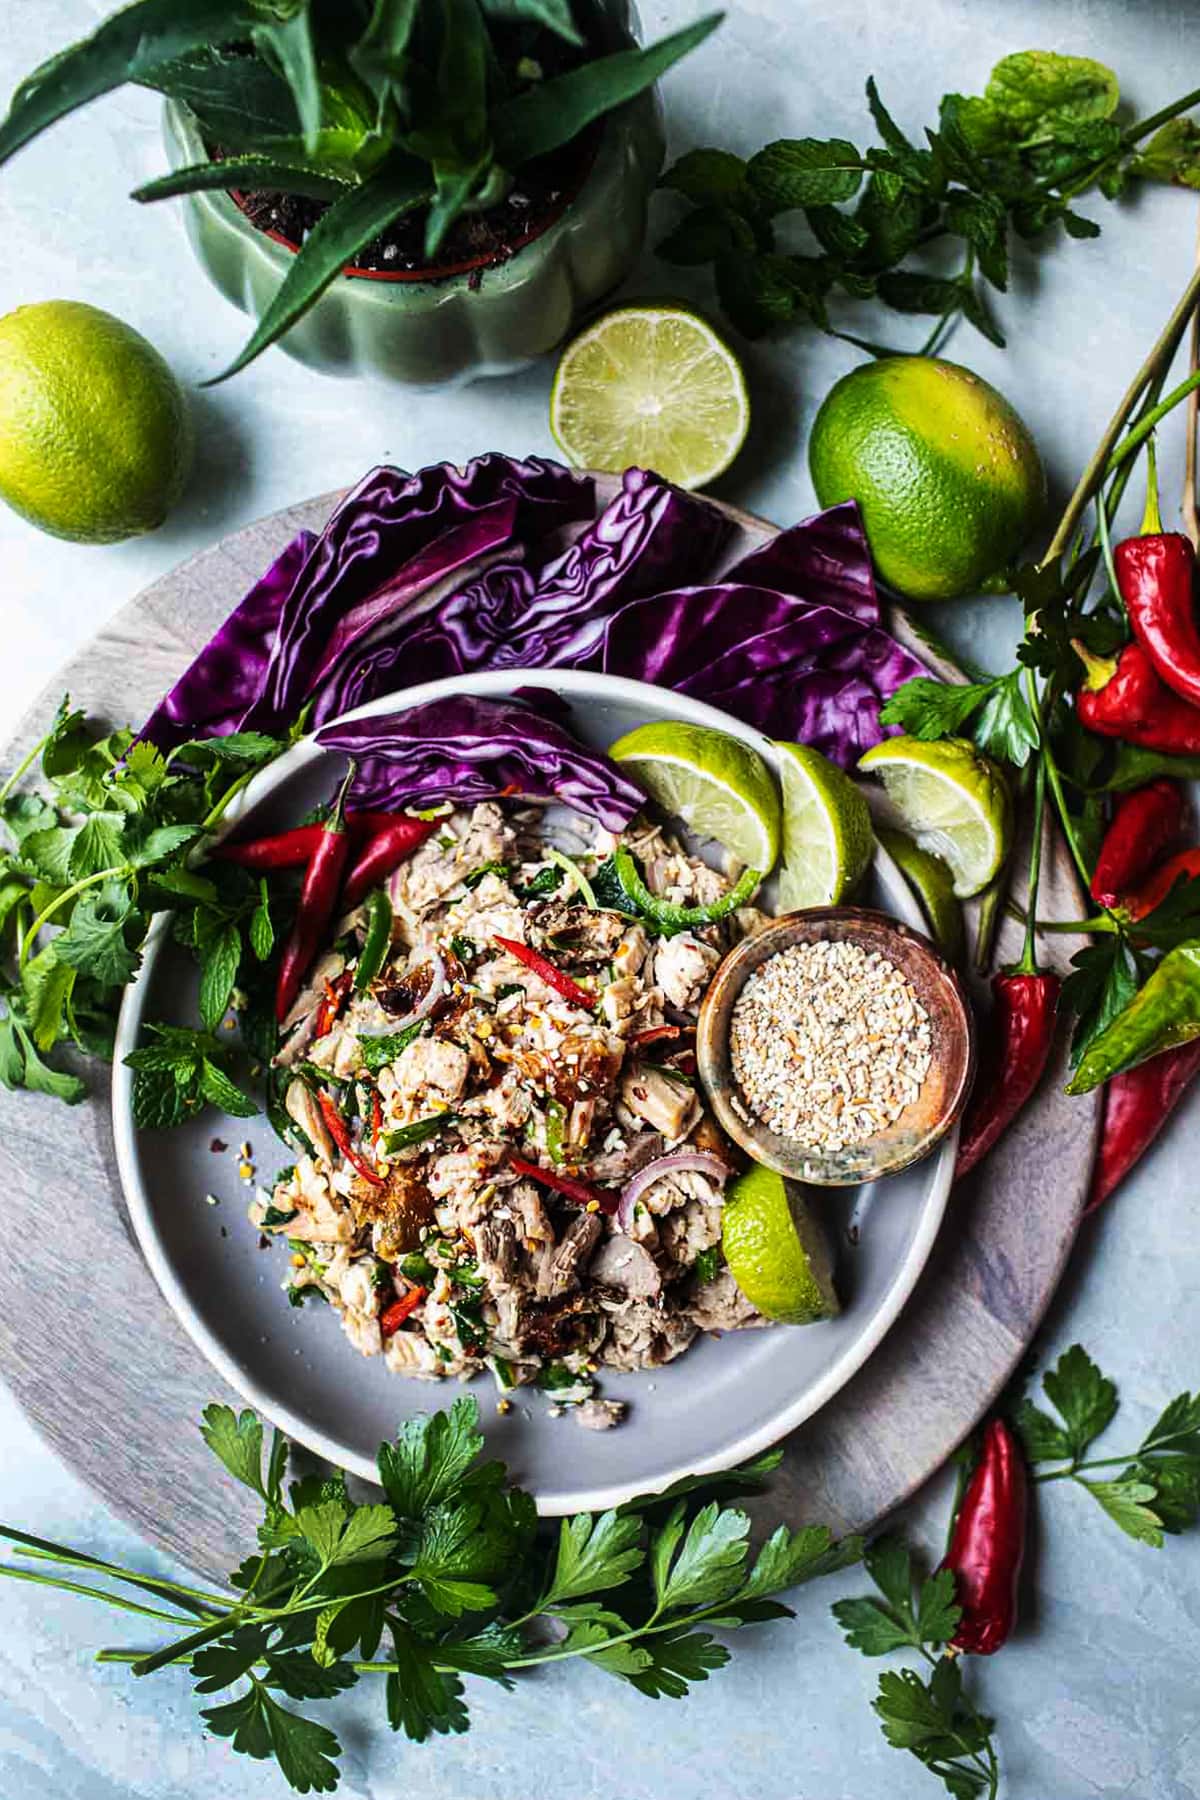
488 320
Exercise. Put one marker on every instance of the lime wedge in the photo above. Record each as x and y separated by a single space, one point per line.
931 881
717 785
652 386
776 1250
827 837
953 801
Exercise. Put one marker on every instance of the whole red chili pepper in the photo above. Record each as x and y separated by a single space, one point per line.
1024 1006
582 1192
318 900
339 1131
292 849
988 1544
392 1317
1137 1105
1143 824
383 853
1139 901
1123 697
1154 576
549 973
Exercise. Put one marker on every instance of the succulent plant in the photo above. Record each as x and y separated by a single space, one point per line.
377 108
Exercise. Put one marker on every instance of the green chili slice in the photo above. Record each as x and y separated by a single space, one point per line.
377 942
665 912
416 1133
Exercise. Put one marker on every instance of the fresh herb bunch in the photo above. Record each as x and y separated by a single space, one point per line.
88 865
1011 160
450 1576
378 107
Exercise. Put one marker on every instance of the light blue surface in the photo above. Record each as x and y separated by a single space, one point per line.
1097 1695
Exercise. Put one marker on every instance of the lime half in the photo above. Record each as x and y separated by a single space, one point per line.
652 386
931 881
827 837
717 785
776 1251
953 801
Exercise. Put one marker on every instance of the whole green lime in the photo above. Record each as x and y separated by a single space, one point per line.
95 434
947 475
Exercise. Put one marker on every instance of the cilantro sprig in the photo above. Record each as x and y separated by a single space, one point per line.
1004 164
111 841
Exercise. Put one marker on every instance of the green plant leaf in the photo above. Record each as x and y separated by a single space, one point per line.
595 1554
1086 1399
429 1457
220 1091
421 1699
708 1564
262 929
555 15
46 983
806 172
1172 154
218 974
539 120
708 177
872 1627
1044 1439
303 1749
244 172
95 941
237 1440
97 845
1037 91
911 291
241 103
350 223
127 46
379 55
1128 1505
289 41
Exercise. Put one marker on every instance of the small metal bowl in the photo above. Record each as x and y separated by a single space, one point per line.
943 1093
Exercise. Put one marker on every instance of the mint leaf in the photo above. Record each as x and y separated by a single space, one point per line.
797 172
262 931
708 177
159 1101
218 973
1086 1399
221 1092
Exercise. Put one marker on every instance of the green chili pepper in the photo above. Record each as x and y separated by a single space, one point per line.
377 941
556 1119
664 912
416 1133
1163 1015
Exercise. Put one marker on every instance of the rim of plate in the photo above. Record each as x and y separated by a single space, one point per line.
736 1449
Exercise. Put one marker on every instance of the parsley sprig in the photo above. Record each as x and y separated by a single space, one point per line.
1009 162
448 1576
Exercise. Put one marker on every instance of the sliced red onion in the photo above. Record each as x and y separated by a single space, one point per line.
427 1002
699 1162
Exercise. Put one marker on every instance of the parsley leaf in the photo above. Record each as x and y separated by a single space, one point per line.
430 1457
1086 1399
1128 1504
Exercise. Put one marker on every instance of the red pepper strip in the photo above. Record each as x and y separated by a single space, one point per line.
988 1544
340 1133
1023 1014
582 1192
393 1316
376 1114
552 976
1137 1105
1154 890
1143 824
1124 698
318 899
653 1035
383 853
331 1005
1154 576
292 849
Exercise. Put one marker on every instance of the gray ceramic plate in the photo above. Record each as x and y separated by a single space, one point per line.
723 1401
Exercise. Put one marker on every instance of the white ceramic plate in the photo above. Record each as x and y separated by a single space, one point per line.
723 1401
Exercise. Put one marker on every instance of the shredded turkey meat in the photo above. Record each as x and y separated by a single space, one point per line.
463 1066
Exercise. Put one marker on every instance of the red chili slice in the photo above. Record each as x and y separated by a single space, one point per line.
393 1316
549 973
581 1192
339 1132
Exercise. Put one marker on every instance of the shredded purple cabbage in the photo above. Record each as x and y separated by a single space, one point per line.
466 748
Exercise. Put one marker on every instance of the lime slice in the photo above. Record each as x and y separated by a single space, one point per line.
717 785
953 801
827 837
776 1251
652 386
931 881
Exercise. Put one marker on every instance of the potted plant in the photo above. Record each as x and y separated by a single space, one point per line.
428 189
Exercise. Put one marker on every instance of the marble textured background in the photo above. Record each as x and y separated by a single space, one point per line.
1097 1694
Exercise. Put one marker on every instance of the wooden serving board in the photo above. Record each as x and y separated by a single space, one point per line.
116 1386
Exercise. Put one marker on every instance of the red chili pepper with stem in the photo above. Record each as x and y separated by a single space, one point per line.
1155 572
384 853
987 1545
1024 1008
1142 826
1137 1105
292 849
1122 697
581 1192
549 973
339 1131
318 901
392 1317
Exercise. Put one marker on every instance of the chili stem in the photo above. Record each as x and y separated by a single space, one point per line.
1142 430
1055 780
1100 465
60 900
25 763
1028 964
